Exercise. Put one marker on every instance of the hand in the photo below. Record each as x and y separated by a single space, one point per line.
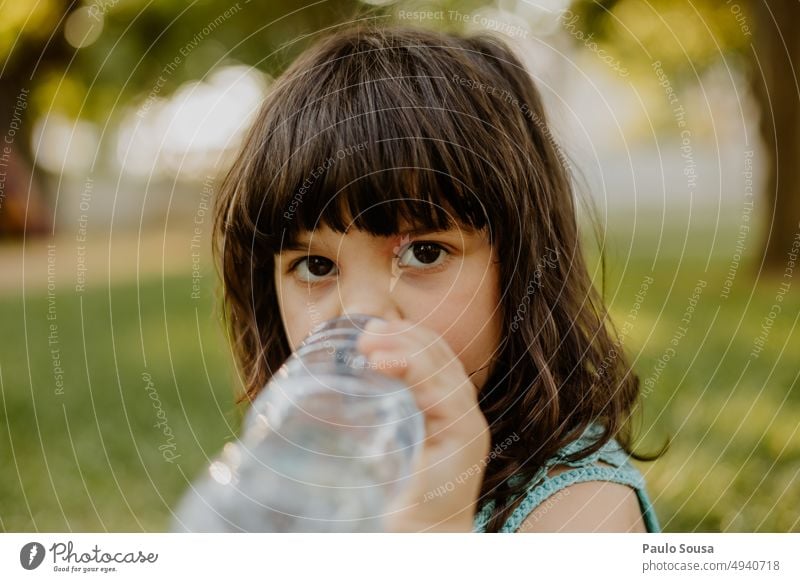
444 491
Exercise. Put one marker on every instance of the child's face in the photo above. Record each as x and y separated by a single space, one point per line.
446 281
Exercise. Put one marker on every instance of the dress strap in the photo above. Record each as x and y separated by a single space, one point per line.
540 492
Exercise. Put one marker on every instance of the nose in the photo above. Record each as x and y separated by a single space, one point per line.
370 293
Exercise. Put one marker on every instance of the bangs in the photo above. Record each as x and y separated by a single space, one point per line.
378 190
376 138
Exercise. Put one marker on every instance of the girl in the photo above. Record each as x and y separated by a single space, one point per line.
410 175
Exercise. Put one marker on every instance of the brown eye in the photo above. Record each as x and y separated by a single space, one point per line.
313 268
427 253
422 255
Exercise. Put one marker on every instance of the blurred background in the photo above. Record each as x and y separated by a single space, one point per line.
119 116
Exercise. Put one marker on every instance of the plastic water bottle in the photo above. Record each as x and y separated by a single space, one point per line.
325 447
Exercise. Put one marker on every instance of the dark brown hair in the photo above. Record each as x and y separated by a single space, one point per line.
389 124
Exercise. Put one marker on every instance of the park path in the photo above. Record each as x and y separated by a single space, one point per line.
68 263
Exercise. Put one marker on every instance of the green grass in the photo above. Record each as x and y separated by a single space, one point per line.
89 460
733 419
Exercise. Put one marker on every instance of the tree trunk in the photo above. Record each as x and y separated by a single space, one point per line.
24 207
776 84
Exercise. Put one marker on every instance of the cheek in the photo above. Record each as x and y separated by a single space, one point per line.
469 318
472 331
297 312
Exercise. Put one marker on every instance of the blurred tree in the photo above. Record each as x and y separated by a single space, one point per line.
762 38
28 50
776 53
132 48
90 59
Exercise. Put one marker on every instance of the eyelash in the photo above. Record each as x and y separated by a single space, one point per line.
440 266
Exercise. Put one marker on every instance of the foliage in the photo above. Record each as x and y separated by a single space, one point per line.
687 37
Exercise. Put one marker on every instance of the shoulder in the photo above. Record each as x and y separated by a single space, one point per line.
589 506
598 492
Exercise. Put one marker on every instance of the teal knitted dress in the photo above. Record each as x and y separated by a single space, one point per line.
619 470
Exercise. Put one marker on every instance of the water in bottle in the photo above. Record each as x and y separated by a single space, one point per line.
326 446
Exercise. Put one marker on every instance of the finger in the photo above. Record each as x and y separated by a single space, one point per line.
430 368
393 335
390 363
400 327
376 335
400 365
368 343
